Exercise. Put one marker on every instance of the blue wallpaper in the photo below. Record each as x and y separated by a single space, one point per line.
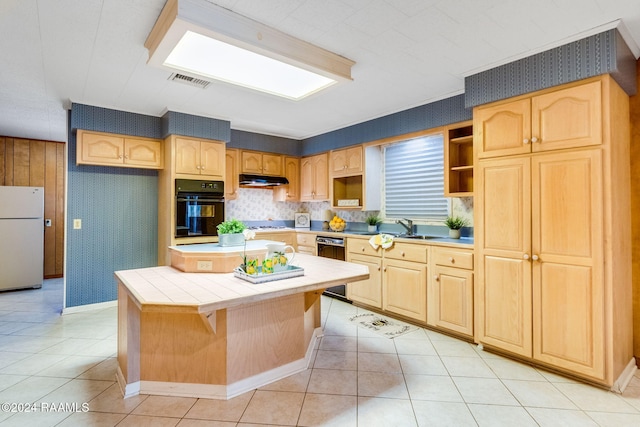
268 143
439 113
174 123
595 55
118 208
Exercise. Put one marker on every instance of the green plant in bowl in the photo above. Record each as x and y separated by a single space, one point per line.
455 222
231 226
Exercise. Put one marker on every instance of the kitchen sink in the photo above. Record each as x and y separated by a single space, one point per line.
417 236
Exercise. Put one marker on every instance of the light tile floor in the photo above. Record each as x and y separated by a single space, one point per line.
357 379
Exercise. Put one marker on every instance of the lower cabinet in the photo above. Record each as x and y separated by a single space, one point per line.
404 289
398 278
450 292
306 243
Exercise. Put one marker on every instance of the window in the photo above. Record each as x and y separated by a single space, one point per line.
414 179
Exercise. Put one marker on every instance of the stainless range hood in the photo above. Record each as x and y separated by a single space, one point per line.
262 180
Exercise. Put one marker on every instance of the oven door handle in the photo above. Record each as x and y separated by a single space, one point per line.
198 199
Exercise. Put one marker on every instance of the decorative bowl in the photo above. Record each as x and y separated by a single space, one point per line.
338 227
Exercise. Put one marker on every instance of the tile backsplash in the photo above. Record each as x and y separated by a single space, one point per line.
256 204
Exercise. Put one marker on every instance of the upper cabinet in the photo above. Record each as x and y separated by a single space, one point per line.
254 162
232 171
555 120
106 149
347 161
314 178
458 160
355 178
199 157
291 191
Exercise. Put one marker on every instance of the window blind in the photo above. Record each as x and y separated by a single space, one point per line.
414 179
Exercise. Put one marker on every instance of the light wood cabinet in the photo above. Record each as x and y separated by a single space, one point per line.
96 148
199 157
314 178
404 288
287 237
458 160
232 173
557 119
397 278
254 162
355 176
554 269
347 161
306 243
291 191
450 290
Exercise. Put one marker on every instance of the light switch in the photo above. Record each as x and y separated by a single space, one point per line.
77 224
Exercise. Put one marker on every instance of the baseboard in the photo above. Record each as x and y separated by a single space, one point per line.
89 307
127 390
625 377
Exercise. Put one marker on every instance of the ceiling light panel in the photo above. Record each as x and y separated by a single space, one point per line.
241 51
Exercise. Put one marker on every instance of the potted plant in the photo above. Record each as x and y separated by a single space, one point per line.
373 221
230 233
455 223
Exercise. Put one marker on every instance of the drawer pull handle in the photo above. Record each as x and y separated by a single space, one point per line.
402 253
452 260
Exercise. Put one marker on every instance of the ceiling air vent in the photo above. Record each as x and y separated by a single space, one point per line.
191 81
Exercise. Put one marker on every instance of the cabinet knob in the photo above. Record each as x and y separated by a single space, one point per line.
201 167
452 260
535 258
436 278
378 268
402 253
363 248
525 256
534 139
384 269
525 141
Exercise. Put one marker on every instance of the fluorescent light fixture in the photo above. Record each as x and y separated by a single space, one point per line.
200 38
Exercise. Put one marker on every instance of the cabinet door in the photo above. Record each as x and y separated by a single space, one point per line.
231 172
451 300
321 181
367 291
347 161
503 287
291 191
502 129
567 118
405 288
187 156
272 164
143 153
251 162
212 158
568 277
100 149
314 178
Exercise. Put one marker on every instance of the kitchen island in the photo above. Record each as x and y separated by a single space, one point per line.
214 335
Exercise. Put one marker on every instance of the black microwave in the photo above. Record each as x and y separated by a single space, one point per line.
199 207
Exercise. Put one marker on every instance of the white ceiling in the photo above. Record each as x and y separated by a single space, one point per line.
407 53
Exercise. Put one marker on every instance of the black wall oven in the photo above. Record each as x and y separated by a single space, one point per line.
199 207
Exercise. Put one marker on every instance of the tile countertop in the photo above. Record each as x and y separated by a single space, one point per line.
164 286
463 242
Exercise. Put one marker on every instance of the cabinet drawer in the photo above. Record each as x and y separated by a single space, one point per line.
304 239
360 246
453 258
407 252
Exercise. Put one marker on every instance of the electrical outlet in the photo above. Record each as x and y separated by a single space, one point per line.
77 224
204 265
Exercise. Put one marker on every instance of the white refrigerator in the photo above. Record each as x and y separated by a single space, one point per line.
21 237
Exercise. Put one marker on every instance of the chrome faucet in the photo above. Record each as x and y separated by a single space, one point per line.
408 226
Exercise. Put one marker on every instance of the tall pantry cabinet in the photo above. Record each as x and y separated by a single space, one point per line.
551 229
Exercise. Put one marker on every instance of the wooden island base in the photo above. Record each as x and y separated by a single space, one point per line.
217 348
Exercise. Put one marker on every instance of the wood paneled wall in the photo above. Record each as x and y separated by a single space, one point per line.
36 163
635 213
